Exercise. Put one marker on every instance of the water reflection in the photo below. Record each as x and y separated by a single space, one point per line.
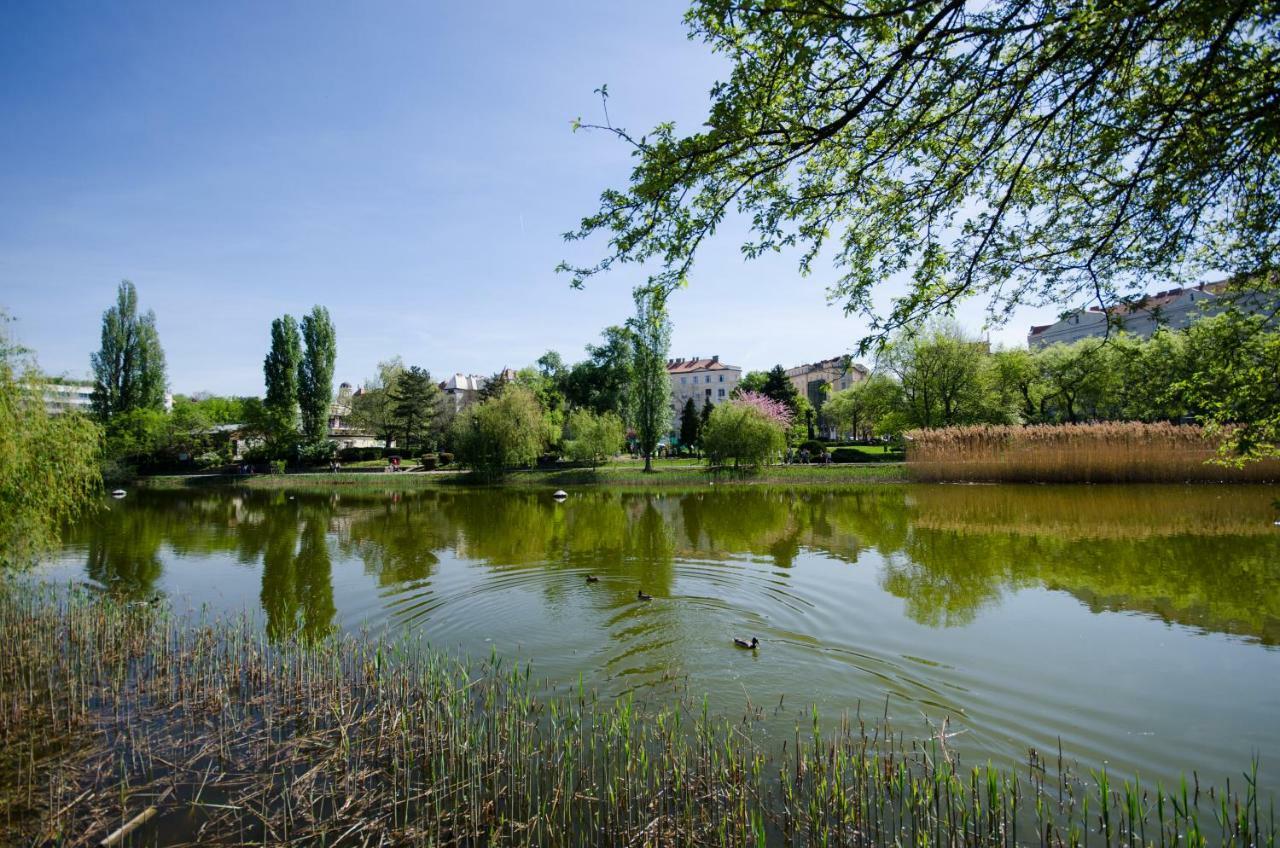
1203 556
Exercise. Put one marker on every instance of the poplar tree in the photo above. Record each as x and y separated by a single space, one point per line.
129 368
650 386
281 369
315 374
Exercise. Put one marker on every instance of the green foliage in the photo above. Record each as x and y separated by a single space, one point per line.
741 435
374 407
281 369
416 407
1008 151
505 431
650 391
690 425
602 382
593 438
1235 384
944 378
315 374
858 409
849 455
128 369
49 472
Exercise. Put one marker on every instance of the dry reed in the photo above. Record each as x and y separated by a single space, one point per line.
206 733
1108 452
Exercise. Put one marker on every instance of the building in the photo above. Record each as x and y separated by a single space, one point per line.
1175 309
461 390
343 430
702 380
812 381
68 397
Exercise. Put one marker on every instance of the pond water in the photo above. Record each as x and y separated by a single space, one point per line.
1138 625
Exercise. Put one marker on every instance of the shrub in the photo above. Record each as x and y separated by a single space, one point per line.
742 434
813 447
428 461
316 453
359 454
505 431
593 438
446 458
276 466
849 455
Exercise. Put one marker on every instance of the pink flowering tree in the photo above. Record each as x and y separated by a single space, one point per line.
774 410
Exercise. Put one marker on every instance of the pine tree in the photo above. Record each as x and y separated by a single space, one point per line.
416 404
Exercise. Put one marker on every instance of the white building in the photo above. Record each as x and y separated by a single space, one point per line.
462 389
702 380
1175 309
67 397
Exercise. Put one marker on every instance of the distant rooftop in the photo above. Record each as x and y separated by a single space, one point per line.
684 366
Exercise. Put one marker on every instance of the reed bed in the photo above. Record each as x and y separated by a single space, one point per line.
1107 452
122 720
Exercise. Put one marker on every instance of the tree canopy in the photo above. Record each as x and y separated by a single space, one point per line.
650 389
128 369
315 373
1025 153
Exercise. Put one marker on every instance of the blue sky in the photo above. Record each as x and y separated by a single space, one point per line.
408 165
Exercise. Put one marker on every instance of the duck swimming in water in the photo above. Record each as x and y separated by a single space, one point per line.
743 643
640 595
591 578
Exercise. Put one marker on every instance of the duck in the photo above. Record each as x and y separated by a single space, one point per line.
591 578
743 643
640 595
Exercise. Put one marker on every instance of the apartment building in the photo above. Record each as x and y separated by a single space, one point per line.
701 380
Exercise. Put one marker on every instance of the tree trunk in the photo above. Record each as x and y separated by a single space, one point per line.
648 462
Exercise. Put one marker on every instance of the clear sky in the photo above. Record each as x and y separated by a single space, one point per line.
408 165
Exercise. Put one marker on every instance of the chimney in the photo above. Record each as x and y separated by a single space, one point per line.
715 358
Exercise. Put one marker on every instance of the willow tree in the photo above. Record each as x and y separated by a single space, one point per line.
129 367
49 464
1022 153
315 374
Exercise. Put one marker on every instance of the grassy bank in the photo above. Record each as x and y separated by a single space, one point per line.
669 474
1128 452
120 716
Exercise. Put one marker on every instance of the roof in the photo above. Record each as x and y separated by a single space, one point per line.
1148 303
684 366
842 364
464 383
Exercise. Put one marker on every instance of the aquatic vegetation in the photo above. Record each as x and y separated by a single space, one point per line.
121 715
1107 452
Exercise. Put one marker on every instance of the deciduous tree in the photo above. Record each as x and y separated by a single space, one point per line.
650 386
315 374
1016 152
129 368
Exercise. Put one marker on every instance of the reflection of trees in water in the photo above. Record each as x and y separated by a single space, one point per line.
297 578
1192 557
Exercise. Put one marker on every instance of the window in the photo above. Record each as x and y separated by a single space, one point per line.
708 393
708 378
683 379
722 393
722 380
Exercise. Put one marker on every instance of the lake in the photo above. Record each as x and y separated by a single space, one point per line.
1138 625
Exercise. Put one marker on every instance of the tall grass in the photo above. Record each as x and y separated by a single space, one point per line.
1112 452
118 716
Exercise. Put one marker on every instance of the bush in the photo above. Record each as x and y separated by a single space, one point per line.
505 431
446 458
359 454
428 461
849 455
275 466
813 447
317 453
593 438
742 434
